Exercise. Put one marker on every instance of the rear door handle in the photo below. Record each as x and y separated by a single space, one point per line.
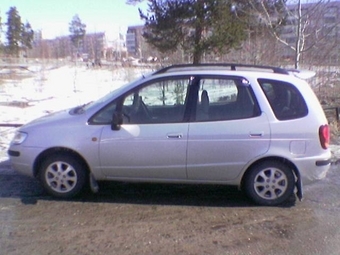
176 136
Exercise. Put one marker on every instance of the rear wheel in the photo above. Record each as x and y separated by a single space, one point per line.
63 176
269 183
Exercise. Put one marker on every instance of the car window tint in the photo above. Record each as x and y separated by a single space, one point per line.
225 99
162 101
284 99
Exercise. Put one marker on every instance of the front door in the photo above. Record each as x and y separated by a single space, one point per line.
151 143
144 151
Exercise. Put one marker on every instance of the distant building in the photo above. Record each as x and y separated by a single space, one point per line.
117 49
94 46
134 41
37 36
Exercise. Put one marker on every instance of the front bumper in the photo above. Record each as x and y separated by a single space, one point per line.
22 161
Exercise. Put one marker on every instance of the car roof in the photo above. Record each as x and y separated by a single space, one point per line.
233 68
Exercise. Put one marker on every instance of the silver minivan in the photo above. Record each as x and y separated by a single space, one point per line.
256 127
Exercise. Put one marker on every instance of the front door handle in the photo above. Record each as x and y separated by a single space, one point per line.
256 134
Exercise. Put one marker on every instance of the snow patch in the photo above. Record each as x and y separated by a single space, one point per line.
47 91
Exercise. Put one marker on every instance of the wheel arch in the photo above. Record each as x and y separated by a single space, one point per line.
285 161
57 150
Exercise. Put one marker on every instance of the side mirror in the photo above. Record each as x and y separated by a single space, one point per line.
117 121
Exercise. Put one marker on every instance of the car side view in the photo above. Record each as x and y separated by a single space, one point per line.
260 128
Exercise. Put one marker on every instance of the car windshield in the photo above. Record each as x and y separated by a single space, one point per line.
83 108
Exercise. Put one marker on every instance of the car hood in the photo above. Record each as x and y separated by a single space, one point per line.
56 117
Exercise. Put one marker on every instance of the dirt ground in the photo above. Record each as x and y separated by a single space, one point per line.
165 219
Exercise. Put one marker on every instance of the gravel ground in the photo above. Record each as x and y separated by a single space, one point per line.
165 219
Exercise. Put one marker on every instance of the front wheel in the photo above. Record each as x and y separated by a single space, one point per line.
63 176
269 183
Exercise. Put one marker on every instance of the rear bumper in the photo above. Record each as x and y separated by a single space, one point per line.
325 162
312 170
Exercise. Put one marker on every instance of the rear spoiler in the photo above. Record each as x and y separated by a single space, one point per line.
302 74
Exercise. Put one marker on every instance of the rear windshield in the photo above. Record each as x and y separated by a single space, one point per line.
284 98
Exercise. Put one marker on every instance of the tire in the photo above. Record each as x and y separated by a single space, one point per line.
269 183
63 176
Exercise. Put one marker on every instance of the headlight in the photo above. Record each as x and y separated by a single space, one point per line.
19 137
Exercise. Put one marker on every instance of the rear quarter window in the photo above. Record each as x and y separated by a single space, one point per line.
284 98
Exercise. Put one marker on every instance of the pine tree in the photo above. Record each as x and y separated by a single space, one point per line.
201 26
14 31
27 34
0 33
77 30
197 26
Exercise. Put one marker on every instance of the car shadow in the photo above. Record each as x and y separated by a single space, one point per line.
30 191
169 194
174 194
162 194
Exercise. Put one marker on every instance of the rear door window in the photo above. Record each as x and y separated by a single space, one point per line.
284 98
225 98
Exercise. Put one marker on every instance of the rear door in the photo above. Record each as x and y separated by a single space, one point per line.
228 131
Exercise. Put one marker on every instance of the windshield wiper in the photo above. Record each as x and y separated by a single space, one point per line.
79 109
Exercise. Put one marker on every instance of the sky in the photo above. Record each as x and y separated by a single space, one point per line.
52 17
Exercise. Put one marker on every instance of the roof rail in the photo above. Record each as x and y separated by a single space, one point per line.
231 66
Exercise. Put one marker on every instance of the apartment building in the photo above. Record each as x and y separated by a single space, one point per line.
134 41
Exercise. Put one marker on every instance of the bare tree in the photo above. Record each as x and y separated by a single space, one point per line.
300 28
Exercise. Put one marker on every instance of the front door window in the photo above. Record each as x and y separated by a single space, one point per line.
159 102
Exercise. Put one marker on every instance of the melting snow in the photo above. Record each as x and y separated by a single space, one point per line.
43 91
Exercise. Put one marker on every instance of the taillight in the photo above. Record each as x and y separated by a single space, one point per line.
324 135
